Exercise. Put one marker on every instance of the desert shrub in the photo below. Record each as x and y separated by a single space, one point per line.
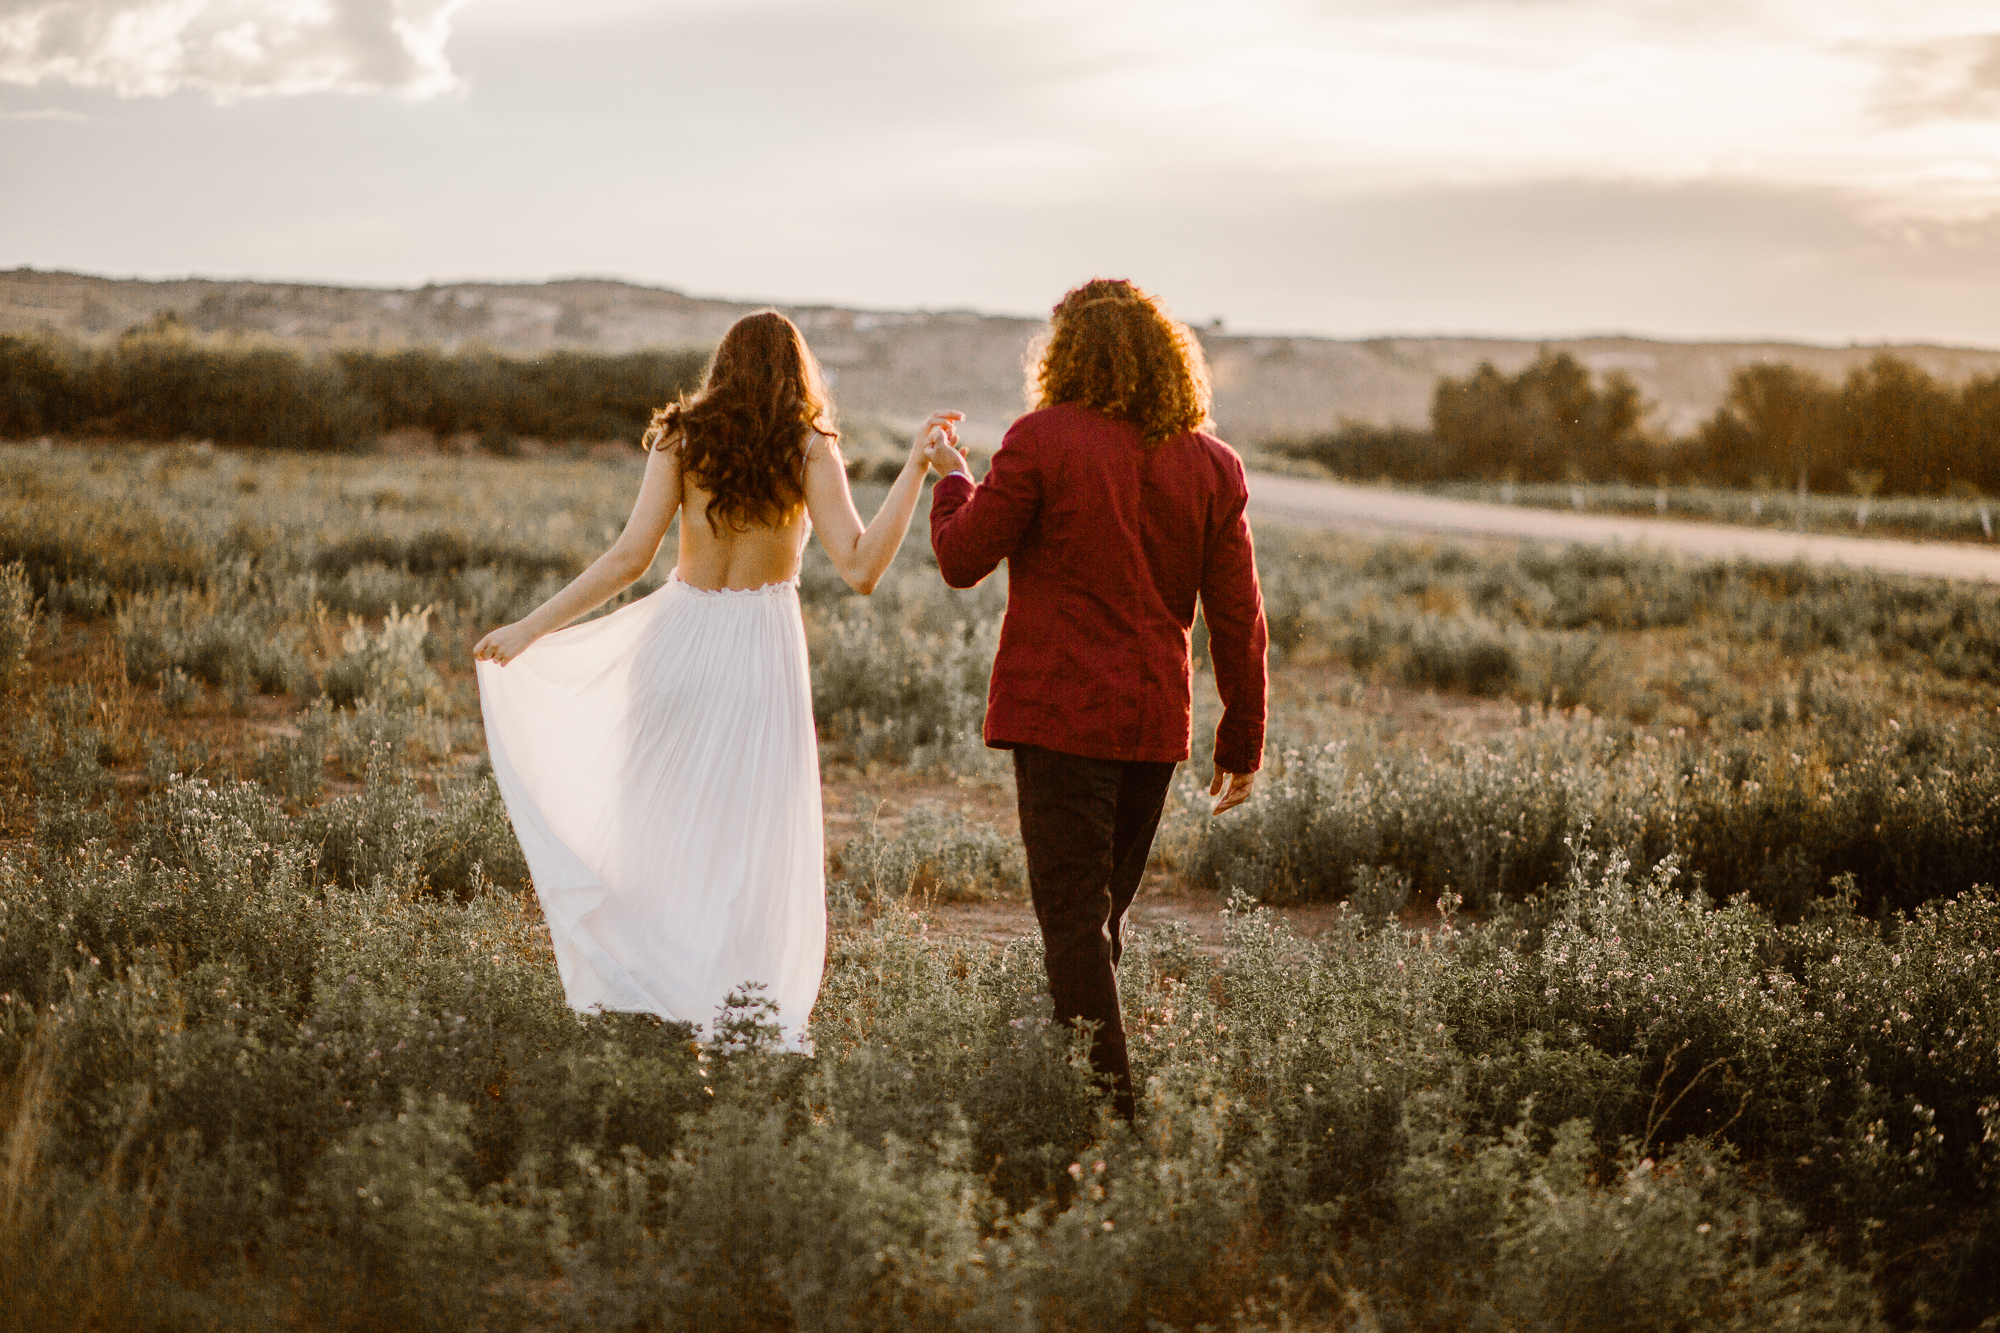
375 1092
469 841
87 598
20 615
160 382
386 667
1464 653
414 1247
310 1066
1909 813
369 734
119 548
296 765
178 691
562 395
374 589
1534 1242
885 690
388 832
64 749
915 1031
1484 822
1659 1018
224 638
1445 617
105 1246
937 855
375 835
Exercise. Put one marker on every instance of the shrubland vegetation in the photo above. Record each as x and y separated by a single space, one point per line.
159 382
1890 428
1665 996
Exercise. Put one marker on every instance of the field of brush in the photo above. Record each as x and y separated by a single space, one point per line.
1611 943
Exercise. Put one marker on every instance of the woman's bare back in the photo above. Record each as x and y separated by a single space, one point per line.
730 558
725 556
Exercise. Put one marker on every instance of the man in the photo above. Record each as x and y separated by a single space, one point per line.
1115 512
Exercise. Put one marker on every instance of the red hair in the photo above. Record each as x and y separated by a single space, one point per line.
742 433
1113 347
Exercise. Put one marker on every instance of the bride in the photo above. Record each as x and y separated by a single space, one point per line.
659 763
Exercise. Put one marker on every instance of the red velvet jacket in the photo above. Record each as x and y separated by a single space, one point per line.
1108 545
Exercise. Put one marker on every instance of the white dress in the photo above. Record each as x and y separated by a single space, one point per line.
662 772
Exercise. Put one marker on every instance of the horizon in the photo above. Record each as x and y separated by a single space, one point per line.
1225 330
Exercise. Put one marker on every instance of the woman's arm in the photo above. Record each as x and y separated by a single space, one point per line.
863 554
611 573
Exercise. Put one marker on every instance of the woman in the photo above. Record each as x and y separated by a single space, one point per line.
660 763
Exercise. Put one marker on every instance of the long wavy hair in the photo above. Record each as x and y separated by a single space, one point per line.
741 434
1113 347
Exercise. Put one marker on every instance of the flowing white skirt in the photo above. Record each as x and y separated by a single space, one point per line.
662 772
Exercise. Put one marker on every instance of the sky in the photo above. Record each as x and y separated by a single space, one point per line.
1826 170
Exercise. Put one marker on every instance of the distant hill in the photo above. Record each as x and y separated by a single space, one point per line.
899 365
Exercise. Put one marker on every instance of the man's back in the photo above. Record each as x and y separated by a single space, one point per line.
1109 546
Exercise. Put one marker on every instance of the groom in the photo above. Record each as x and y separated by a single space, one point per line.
1115 512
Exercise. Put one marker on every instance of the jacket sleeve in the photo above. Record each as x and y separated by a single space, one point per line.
1233 606
974 528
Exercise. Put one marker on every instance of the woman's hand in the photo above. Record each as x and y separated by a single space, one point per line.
941 429
505 644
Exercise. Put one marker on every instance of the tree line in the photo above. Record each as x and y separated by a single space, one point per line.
1890 427
159 382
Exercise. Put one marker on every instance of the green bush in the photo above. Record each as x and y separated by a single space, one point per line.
1906 814
1681 1243
1889 427
160 382
386 667
375 1092
891 684
938 855
296 766
218 640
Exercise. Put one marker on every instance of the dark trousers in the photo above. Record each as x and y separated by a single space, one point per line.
1087 826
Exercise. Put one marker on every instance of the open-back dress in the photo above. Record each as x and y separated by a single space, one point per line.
662 773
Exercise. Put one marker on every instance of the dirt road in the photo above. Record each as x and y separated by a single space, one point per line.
1319 504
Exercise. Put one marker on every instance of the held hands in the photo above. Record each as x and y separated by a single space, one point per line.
1230 790
503 645
937 444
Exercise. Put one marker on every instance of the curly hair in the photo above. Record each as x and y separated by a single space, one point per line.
740 434
1113 347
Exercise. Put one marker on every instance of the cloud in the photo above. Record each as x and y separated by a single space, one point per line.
230 48
1956 79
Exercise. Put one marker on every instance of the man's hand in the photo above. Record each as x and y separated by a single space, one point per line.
1230 790
941 431
939 451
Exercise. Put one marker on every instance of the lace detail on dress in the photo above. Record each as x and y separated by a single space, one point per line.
761 590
